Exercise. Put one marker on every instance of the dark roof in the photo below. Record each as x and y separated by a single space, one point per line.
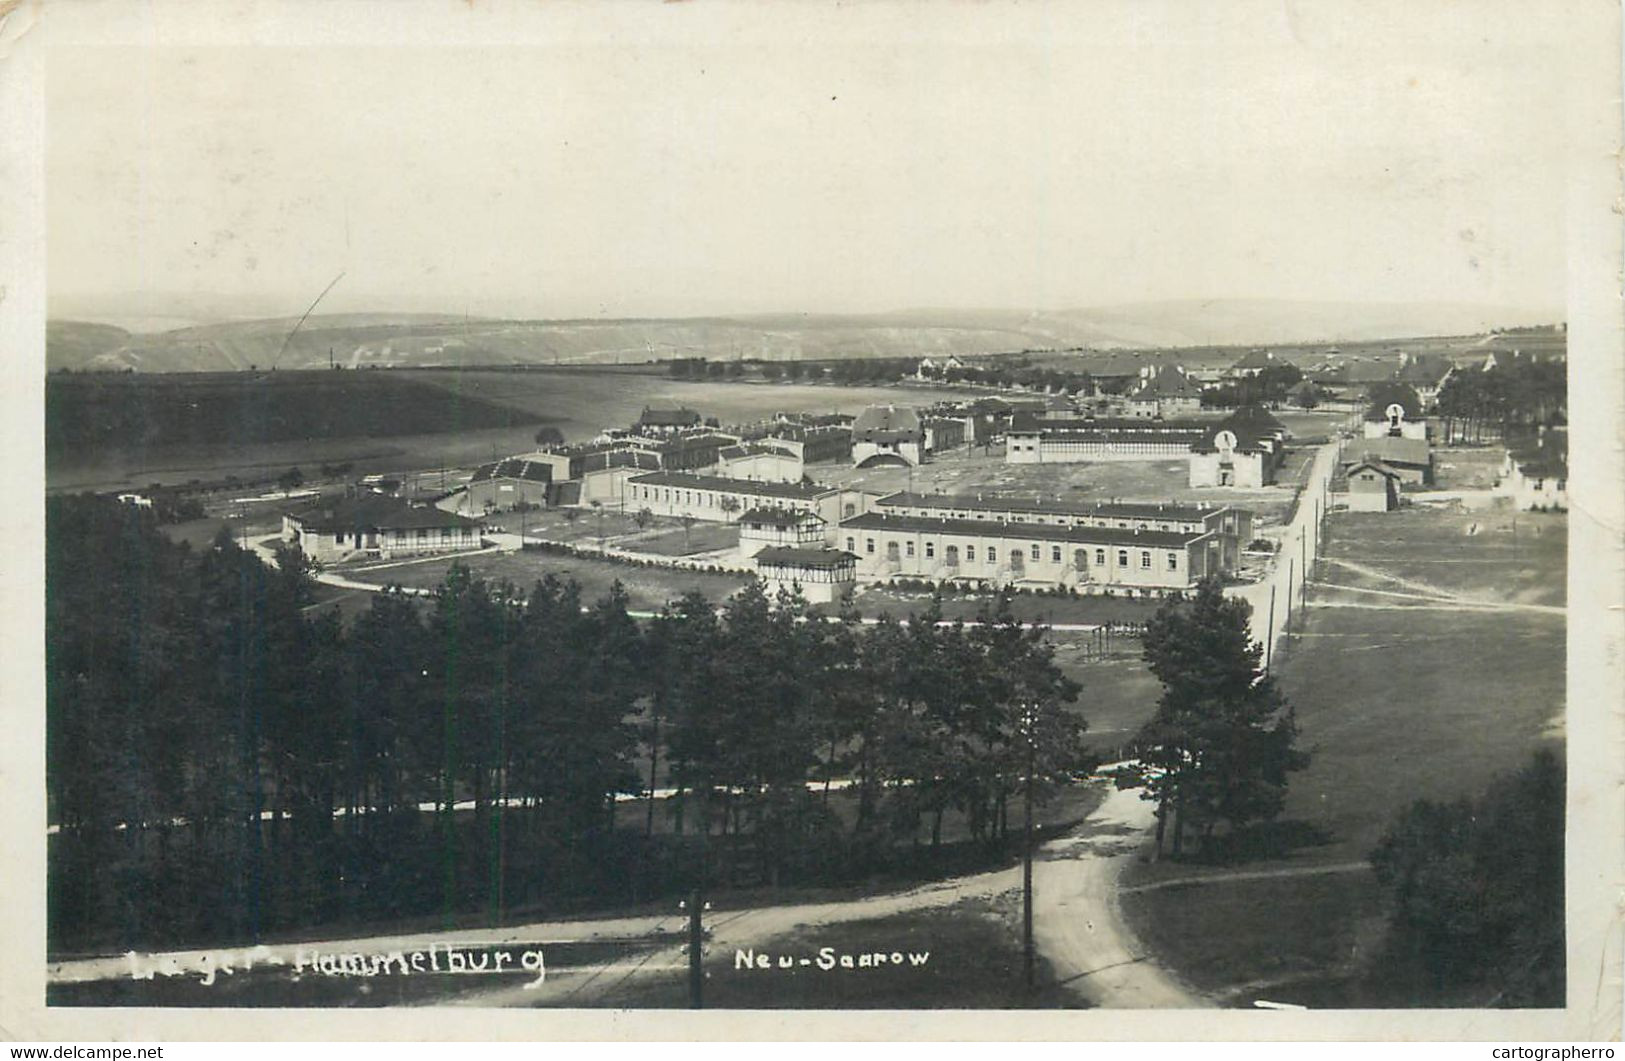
1169 383
514 468
684 480
805 433
1545 457
1124 435
984 528
1028 422
783 556
1256 359
1428 369
1382 395
668 416
620 458
779 517
1251 424
1359 372
1125 363
586 449
754 449
1374 465
880 422
374 510
815 419
1109 510
682 443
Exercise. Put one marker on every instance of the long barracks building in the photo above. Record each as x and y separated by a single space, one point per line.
1124 515
712 497
1036 440
1089 559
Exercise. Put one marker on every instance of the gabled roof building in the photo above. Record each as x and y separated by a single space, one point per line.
888 435
376 525
1245 449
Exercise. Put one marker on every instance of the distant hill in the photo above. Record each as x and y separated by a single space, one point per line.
420 340
76 344
91 414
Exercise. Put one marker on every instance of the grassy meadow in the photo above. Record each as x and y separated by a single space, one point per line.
1398 699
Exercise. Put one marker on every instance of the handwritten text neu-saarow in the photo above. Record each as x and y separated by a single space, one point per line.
827 959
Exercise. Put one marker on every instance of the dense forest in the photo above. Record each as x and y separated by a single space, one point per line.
87 413
227 761
1509 400
1475 890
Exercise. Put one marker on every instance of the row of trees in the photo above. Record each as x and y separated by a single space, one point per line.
226 760
794 371
849 370
704 368
1476 894
1269 387
1510 399
1013 373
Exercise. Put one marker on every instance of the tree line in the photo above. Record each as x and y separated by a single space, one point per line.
1475 891
1014 373
1510 399
1270 386
227 760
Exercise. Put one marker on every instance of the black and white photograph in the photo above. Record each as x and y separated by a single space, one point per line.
711 506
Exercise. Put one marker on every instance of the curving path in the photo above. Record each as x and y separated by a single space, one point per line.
1076 923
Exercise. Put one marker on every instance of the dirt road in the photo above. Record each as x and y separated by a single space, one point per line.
1076 922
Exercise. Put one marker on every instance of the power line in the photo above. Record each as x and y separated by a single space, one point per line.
289 337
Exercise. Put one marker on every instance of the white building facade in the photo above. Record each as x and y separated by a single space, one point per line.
1088 559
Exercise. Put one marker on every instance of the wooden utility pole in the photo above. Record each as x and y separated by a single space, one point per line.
1027 860
1303 582
1286 622
696 937
1269 631
696 906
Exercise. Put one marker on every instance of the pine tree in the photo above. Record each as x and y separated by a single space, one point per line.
1222 742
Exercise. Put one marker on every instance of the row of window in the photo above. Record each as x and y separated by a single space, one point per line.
1080 557
1060 521
1076 446
447 534
707 498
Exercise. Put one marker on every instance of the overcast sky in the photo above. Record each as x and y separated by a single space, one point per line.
695 158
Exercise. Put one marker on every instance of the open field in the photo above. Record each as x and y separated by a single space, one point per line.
1119 693
375 440
970 470
179 465
91 414
1303 423
1495 556
582 403
1396 704
1467 467
1214 932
